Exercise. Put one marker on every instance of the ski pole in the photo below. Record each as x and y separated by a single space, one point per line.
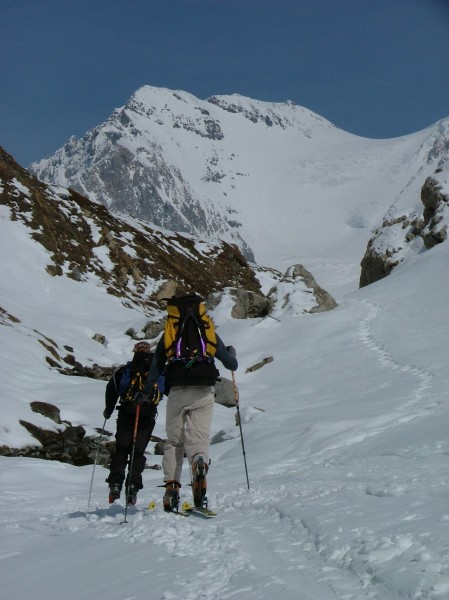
95 463
236 398
131 461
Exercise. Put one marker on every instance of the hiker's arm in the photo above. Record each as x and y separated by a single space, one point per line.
157 366
111 394
227 358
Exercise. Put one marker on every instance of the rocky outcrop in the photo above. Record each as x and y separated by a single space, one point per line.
249 305
245 303
381 257
67 443
435 215
400 234
62 442
297 292
375 266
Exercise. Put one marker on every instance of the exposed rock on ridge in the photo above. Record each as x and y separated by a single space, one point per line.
417 231
79 233
419 226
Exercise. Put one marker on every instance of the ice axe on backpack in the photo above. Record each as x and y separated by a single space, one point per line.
239 423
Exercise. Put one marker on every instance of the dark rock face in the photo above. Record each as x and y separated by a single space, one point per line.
142 183
435 203
63 442
428 228
62 222
249 305
48 410
374 266
68 443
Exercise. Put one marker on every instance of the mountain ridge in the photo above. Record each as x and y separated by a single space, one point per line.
239 169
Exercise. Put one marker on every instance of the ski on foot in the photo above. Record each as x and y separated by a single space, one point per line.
182 513
198 510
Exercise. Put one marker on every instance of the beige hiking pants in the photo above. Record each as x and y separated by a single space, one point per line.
188 422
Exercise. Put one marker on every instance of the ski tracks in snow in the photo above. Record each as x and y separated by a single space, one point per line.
211 550
257 548
415 406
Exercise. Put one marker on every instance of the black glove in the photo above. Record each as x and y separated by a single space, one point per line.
142 397
107 413
231 350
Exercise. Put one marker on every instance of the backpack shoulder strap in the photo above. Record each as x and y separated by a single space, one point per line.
123 373
117 373
211 336
171 329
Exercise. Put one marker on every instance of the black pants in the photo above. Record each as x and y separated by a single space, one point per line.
124 443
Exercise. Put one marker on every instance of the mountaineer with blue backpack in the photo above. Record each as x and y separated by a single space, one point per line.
186 354
135 421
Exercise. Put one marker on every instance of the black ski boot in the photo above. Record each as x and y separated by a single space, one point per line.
199 483
114 492
171 496
132 494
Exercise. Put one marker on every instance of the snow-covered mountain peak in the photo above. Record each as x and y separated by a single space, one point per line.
150 101
151 107
261 175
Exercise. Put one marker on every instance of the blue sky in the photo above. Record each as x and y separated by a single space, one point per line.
376 68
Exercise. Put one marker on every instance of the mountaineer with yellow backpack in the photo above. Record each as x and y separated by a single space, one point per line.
186 354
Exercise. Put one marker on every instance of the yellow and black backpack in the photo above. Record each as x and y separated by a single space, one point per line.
190 343
133 378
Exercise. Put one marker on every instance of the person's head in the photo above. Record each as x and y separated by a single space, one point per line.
142 347
142 353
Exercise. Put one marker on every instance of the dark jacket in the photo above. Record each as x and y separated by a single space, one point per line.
157 366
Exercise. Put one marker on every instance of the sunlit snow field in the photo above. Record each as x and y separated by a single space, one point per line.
346 438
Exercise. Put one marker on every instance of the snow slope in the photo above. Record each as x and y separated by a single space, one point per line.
345 434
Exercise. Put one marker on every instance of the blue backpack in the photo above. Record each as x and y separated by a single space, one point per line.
133 381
